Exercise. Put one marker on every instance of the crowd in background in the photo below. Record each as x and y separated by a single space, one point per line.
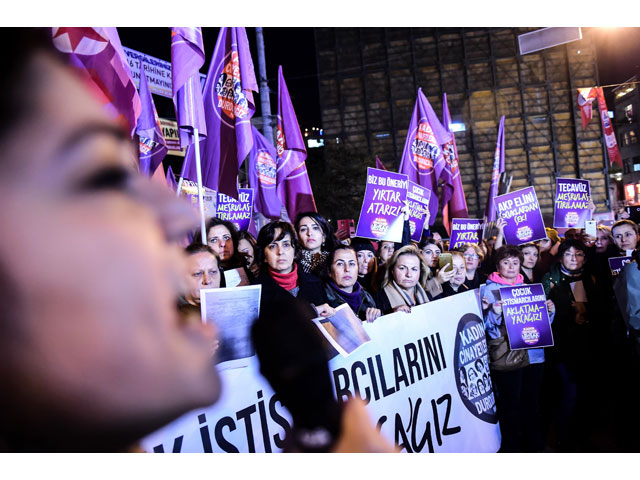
574 396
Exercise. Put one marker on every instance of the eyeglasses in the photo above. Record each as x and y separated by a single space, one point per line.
475 256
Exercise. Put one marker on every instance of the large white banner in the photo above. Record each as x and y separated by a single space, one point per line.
424 376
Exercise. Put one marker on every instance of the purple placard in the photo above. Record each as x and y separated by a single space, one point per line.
571 208
418 201
237 212
521 211
616 264
634 213
465 230
384 197
525 315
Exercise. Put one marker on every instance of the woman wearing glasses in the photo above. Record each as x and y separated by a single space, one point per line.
473 257
569 286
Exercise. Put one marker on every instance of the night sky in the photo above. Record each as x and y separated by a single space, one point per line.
618 52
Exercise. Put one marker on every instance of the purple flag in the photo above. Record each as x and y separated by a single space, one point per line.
151 141
422 159
293 186
498 168
379 164
571 207
171 179
228 108
262 176
187 57
457 206
521 211
98 55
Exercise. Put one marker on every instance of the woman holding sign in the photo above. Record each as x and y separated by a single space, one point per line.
404 281
518 384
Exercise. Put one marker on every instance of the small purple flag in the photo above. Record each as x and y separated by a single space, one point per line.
293 186
422 159
153 148
498 168
262 176
457 206
171 179
228 108
187 57
379 164
98 55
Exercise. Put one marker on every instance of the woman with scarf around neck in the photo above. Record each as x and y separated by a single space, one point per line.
343 287
317 241
280 275
570 358
404 281
518 391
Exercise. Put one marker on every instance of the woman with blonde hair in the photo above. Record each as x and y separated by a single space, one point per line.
404 281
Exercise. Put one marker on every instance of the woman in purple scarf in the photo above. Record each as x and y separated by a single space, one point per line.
343 287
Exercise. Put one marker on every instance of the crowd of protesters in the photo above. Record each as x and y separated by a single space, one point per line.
574 396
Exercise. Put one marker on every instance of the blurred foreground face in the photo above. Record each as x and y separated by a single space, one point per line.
92 352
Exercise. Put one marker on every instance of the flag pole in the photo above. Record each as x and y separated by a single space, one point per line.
180 185
200 197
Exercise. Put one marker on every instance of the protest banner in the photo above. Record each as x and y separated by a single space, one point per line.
171 135
465 230
571 207
521 211
616 264
384 197
634 213
424 377
239 212
525 316
418 201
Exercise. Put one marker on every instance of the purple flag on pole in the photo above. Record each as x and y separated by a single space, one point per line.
171 179
262 176
422 159
498 168
293 186
187 57
151 141
457 206
228 108
379 164
98 55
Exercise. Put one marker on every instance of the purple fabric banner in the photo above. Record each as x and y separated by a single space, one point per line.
571 208
98 55
379 164
187 57
239 212
293 186
422 159
418 201
616 264
498 168
521 211
465 230
228 108
262 176
171 179
457 206
525 316
152 147
384 197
